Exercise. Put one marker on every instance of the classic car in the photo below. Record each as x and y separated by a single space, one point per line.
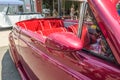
12 11
45 49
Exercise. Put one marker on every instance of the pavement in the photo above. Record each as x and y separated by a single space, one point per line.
8 70
4 37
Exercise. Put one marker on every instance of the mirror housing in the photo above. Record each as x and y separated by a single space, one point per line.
63 41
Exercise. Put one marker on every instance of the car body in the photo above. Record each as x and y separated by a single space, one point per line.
44 49
12 11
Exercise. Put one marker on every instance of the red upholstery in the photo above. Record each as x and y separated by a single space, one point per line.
85 38
49 31
73 28
32 25
41 24
56 23
45 24
52 23
20 24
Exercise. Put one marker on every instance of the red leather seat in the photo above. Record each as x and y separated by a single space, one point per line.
56 23
49 31
73 28
51 23
41 24
32 25
45 24
85 38
20 24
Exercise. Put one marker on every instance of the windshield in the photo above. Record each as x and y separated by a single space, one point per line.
11 9
2 7
15 9
118 8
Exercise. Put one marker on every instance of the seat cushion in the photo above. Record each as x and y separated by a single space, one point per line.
49 31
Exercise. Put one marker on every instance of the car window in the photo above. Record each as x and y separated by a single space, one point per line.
118 8
14 10
2 7
95 42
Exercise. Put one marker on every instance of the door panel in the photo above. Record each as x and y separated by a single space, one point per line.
39 63
43 63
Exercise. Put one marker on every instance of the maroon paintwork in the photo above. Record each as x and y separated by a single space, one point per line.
44 49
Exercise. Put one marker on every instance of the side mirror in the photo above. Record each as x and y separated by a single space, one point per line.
63 41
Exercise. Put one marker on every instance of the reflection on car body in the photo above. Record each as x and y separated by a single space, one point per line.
46 49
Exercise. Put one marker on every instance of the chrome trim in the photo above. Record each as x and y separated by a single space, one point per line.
81 16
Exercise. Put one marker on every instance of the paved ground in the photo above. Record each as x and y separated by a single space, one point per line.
4 37
7 68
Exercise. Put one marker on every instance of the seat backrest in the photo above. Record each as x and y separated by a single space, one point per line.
85 38
73 28
56 23
32 25
45 24
49 31
21 24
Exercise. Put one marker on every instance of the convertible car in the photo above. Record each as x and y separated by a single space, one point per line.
45 49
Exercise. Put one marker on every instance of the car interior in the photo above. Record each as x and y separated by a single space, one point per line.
43 26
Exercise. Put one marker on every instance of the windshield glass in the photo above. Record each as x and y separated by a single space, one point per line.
11 9
15 9
118 8
2 7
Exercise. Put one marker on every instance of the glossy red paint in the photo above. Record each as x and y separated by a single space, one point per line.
43 49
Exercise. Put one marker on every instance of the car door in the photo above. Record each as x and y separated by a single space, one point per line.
41 63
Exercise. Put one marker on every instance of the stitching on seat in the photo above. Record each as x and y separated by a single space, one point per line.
41 25
40 32
61 23
25 26
49 24
73 28
64 29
